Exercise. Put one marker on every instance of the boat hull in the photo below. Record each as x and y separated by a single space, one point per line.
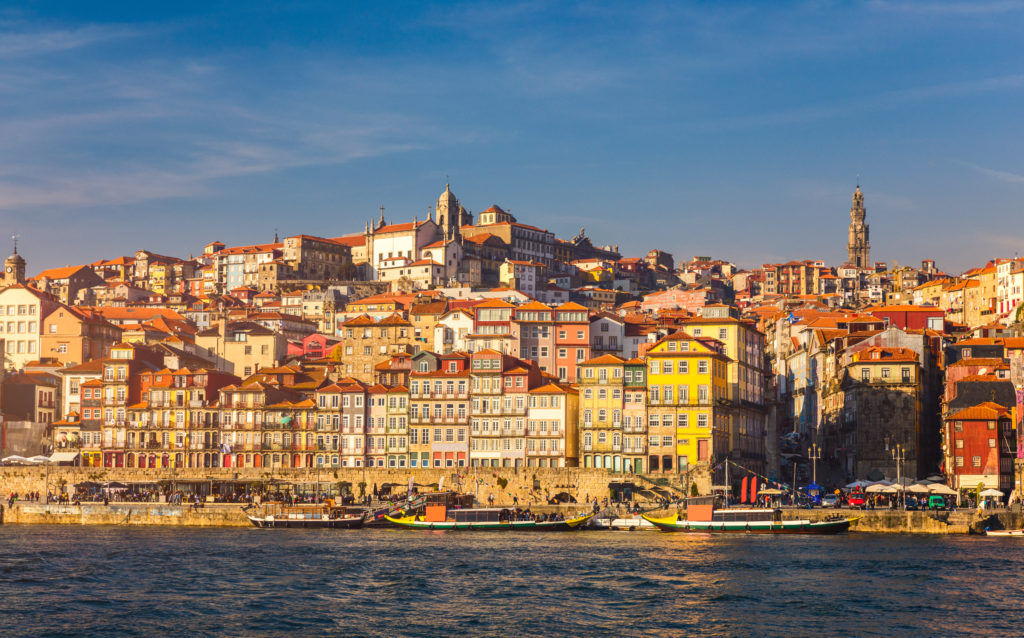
410 522
306 523
1005 532
672 524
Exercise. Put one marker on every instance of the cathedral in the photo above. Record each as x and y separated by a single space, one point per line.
858 245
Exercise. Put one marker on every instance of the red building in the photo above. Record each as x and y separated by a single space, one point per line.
911 317
980 447
312 347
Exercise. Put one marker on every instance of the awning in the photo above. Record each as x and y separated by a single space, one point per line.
63 457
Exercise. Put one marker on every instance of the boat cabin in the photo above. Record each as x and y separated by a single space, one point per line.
747 516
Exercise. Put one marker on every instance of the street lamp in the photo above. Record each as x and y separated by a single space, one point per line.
814 454
899 454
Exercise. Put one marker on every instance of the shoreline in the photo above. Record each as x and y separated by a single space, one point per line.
231 515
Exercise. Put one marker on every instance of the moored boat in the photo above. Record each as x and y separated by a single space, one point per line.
325 515
1004 532
705 519
439 517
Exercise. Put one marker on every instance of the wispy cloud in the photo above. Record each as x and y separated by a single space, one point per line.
948 8
855 105
20 43
1003 176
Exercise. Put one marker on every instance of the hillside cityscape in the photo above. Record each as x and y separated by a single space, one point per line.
465 340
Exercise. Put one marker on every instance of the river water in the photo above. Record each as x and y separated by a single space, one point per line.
76 581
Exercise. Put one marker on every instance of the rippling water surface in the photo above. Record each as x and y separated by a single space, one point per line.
78 581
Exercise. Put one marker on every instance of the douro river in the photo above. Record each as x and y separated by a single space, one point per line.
85 581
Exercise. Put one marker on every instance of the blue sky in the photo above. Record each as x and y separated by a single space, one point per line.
726 129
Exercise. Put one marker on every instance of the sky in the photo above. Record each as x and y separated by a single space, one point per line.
736 130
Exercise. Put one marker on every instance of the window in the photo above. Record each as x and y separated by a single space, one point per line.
865 374
885 373
702 420
959 444
958 426
702 366
666 441
959 461
976 461
723 333
683 367
991 442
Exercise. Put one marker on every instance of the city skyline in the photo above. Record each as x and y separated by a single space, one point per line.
165 129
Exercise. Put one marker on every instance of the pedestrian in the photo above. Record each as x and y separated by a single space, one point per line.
515 501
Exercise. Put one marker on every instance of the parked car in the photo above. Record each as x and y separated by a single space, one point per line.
830 500
937 502
858 500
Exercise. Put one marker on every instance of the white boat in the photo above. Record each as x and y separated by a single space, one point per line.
628 524
1004 532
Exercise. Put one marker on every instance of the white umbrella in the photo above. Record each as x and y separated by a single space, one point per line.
891 489
939 488
917 488
882 482
878 488
991 492
856 484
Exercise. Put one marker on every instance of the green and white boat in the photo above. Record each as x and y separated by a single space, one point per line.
487 519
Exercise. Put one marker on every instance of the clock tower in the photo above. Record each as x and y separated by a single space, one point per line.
14 269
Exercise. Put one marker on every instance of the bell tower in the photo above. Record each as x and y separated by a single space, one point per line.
448 214
858 245
14 268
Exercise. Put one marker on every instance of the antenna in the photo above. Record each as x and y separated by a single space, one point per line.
15 237
858 180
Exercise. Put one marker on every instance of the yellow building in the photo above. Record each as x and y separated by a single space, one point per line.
601 404
687 386
743 343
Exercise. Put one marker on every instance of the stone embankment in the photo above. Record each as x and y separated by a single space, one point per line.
527 485
212 515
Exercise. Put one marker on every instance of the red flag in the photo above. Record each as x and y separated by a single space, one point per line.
743 490
753 489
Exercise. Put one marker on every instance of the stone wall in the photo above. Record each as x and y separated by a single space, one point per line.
530 485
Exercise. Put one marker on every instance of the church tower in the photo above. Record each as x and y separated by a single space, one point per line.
14 269
449 214
859 247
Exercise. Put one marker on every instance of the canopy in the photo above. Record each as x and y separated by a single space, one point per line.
892 489
39 459
856 484
63 457
939 488
14 459
917 488
771 492
878 488
991 492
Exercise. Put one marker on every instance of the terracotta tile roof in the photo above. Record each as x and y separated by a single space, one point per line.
981 361
987 411
603 359
495 303
554 388
398 228
60 273
885 355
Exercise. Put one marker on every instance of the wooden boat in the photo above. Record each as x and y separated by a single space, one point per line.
325 515
1004 532
439 517
752 521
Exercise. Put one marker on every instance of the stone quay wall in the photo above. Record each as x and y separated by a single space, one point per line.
212 515
528 485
